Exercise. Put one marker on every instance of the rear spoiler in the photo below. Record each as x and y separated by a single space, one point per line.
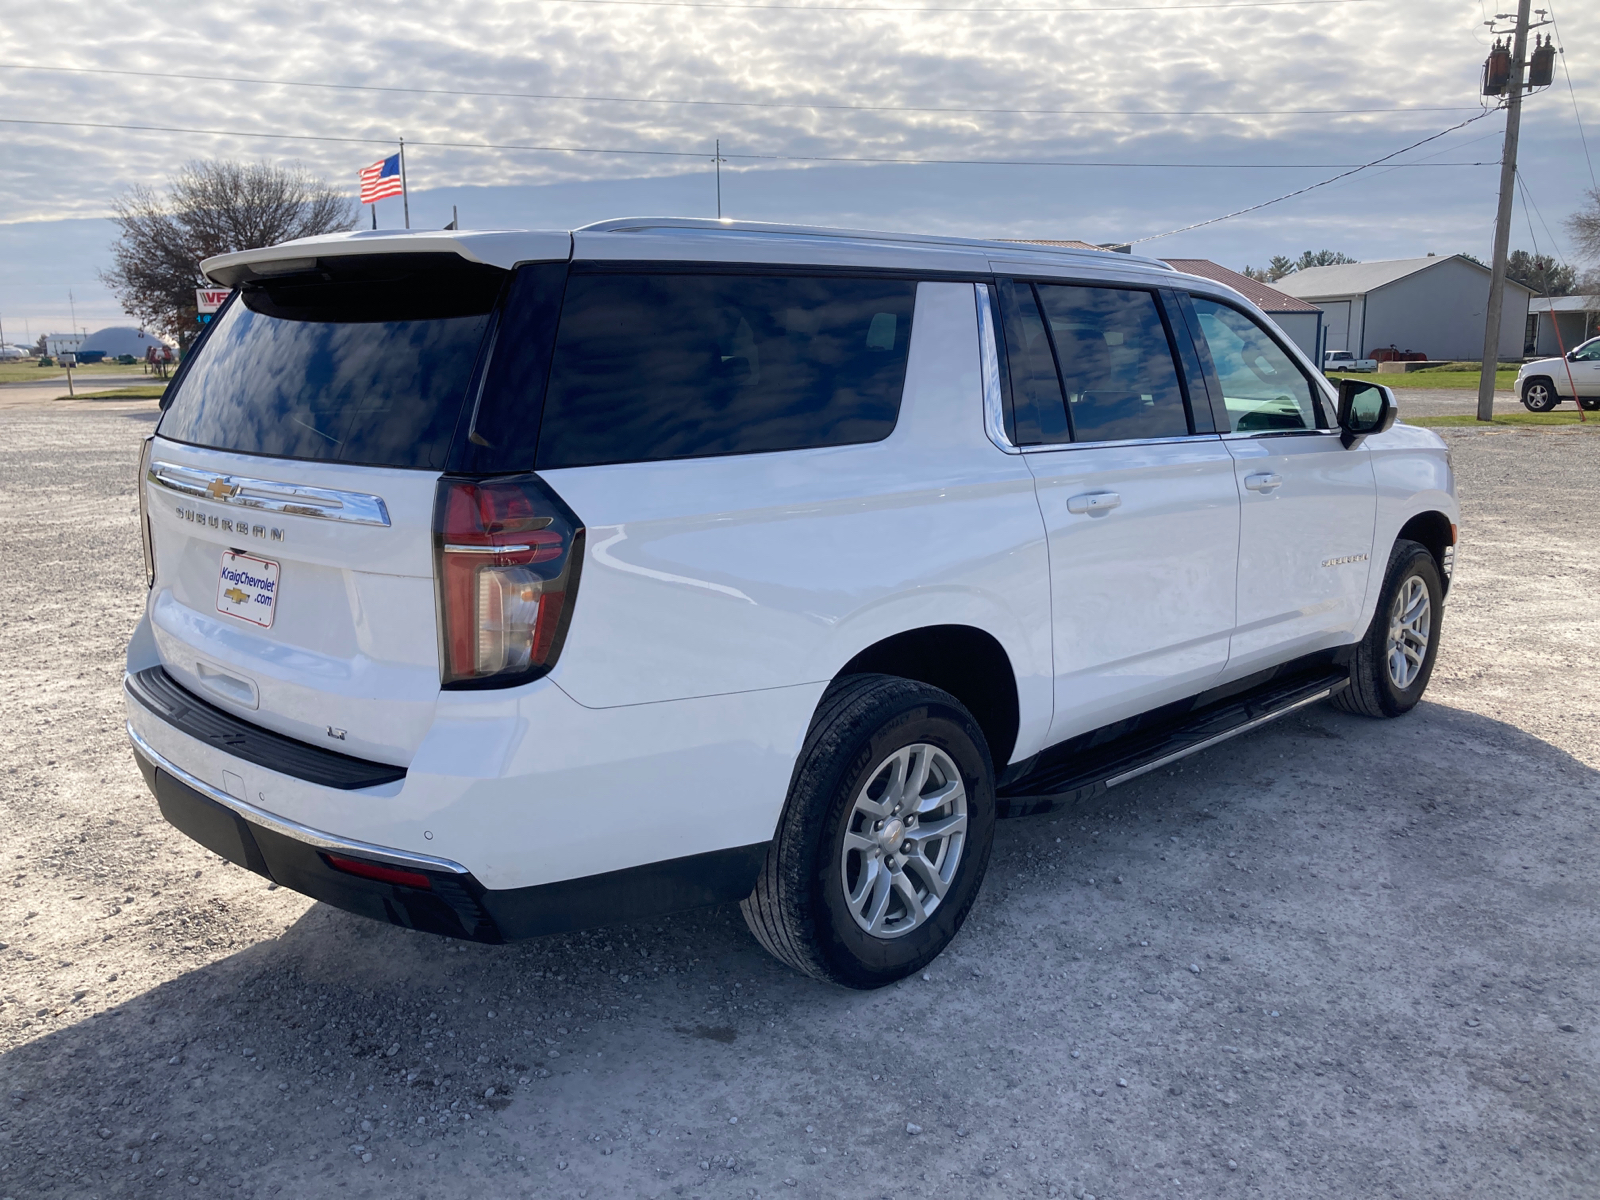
495 248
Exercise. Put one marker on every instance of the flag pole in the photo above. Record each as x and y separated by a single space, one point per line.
405 194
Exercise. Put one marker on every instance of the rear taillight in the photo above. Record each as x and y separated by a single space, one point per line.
144 516
378 871
508 553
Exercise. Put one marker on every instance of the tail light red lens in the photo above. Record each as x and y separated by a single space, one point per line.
378 871
508 554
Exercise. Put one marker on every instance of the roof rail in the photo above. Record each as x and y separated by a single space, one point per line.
729 225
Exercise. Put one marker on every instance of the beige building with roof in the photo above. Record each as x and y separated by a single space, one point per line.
1433 306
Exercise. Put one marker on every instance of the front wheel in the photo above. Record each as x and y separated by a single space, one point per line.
1394 661
1589 403
885 838
1539 396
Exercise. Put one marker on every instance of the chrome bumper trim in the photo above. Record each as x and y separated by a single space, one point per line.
288 828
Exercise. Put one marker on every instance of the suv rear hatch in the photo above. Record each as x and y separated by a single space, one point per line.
291 490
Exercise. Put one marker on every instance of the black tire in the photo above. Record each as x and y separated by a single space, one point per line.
1589 403
1373 692
1539 395
798 910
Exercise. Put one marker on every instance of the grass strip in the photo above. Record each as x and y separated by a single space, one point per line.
127 393
1504 381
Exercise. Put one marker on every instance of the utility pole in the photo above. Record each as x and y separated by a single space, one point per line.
718 160
1502 222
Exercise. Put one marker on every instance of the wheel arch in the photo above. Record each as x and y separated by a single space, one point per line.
1434 530
968 662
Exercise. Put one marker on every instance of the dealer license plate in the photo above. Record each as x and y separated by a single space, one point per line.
248 588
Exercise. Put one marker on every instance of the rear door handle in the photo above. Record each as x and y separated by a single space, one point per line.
1262 483
1093 502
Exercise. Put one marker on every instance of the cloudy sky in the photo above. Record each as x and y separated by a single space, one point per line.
1164 112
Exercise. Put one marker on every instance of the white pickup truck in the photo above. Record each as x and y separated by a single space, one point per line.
1343 360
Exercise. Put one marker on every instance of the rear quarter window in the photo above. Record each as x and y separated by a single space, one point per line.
660 366
360 360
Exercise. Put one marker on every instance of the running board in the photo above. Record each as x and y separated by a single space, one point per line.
1069 776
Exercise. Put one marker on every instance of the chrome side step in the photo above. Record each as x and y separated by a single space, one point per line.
1082 768
1156 764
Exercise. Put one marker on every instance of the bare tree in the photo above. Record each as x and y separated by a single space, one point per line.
209 207
1584 225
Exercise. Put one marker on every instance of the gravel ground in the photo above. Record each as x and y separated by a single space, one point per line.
1336 957
1439 402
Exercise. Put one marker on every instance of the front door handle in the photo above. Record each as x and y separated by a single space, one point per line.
1262 483
1093 502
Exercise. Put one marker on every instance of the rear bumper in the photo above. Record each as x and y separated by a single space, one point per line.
452 903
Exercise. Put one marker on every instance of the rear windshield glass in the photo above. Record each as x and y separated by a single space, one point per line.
358 361
676 366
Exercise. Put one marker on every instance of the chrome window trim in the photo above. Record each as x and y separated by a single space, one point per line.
994 405
1125 442
291 829
299 500
1252 435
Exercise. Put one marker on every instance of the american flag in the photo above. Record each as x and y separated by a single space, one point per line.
381 180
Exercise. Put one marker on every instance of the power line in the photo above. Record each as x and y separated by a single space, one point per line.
749 157
1116 9
911 108
1576 115
1313 187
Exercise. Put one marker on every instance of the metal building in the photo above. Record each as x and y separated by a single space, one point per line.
1432 306
1577 316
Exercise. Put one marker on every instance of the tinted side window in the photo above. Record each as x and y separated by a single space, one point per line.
1116 363
679 366
1262 387
1035 386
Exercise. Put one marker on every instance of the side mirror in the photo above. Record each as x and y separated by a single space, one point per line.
1364 409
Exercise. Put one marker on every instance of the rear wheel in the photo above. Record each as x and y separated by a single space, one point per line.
1589 403
885 838
1539 396
1394 661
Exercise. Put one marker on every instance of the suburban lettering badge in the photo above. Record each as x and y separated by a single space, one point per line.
227 524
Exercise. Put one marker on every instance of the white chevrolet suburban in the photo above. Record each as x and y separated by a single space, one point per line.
510 583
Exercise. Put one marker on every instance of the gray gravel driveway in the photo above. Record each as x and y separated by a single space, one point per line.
1333 958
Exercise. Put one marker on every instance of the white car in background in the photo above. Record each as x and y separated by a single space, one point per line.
12 353
1546 382
510 583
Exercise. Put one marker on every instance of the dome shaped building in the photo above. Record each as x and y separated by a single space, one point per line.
117 340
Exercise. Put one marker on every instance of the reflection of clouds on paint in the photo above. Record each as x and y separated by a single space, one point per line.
1329 56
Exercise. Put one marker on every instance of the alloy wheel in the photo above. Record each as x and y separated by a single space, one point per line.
903 840
1410 624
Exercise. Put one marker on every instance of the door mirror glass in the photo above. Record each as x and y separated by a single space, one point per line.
1364 408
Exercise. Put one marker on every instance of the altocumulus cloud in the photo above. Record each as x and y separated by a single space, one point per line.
1273 68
